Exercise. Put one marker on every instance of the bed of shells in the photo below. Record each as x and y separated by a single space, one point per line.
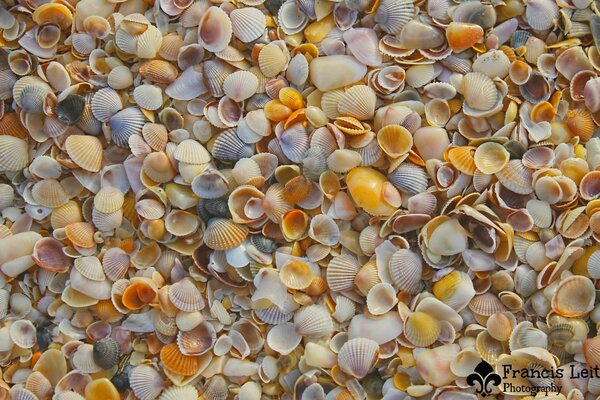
296 200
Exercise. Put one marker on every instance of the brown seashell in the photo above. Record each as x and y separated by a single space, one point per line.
138 295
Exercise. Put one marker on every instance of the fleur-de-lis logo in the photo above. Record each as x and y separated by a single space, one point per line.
482 378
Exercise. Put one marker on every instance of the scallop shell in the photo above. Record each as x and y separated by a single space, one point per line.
358 102
224 234
125 123
248 23
198 340
106 353
541 14
516 177
14 153
479 91
115 263
405 269
574 296
491 157
341 272
70 109
85 151
105 103
145 382
192 152
394 140
185 296
313 321
409 178
272 60
393 15
49 193
240 85
23 333
90 267
148 97
357 356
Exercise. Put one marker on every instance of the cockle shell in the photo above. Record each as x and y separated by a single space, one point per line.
358 356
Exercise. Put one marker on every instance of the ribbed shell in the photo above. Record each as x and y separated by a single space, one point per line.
49 193
341 272
145 382
358 356
248 23
187 392
313 321
125 123
106 353
185 296
229 147
224 234
85 151
406 268
192 152
14 153
409 178
115 263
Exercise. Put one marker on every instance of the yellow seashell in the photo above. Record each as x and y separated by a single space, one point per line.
291 98
318 30
394 140
366 187
463 159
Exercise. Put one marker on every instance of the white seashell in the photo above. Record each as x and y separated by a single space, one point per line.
105 103
188 85
313 321
148 97
364 45
283 338
214 30
240 85
358 356
248 23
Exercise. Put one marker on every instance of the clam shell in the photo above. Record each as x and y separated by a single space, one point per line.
409 178
198 340
516 177
214 30
421 329
491 157
90 267
126 123
479 91
49 193
394 140
272 60
224 234
187 392
574 296
296 275
283 338
148 97
23 334
405 269
540 14
357 356
115 263
363 44
192 152
70 109
381 298
240 85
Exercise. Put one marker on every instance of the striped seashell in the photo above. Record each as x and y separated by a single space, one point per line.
406 268
85 151
224 234
341 272
192 152
273 315
159 71
294 142
177 362
149 42
90 267
409 178
106 353
313 321
120 77
248 24
187 392
145 382
357 356
125 123
358 102
392 16
229 147
49 193
421 329
240 85
148 97
272 60
516 177
14 153
189 85
115 263
185 296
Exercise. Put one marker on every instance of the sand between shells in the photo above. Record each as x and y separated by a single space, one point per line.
298 199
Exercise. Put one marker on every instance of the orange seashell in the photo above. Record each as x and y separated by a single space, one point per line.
580 123
275 110
81 234
351 126
297 116
296 189
138 295
543 111
294 224
462 158
179 363
463 35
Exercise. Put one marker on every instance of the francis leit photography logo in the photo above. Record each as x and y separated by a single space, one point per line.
533 380
483 379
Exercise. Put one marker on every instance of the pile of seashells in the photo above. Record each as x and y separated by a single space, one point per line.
299 199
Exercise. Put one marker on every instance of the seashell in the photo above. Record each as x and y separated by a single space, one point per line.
358 102
185 296
536 89
158 167
455 290
394 140
431 142
70 109
486 304
313 321
120 77
343 160
85 151
126 123
223 234
291 18
294 224
463 35
198 340
14 153
349 68
115 263
189 85
479 91
491 157
229 147
179 392
192 152
381 298
105 103
541 14
49 193
159 71
240 85
341 272
90 267
148 97
145 382
494 64
516 177
573 297
272 60
393 16
296 275
363 44
20 393
420 75
324 230
106 353
283 338
437 112
405 269
23 333
248 24
419 35
298 70
409 178
357 356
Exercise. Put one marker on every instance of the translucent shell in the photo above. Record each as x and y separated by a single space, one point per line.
491 157
296 275
394 140
574 297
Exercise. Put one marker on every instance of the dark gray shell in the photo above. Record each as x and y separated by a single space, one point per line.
106 353
263 244
70 109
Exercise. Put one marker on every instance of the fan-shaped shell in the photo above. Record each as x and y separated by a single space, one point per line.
85 151
313 321
357 356
214 30
248 23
